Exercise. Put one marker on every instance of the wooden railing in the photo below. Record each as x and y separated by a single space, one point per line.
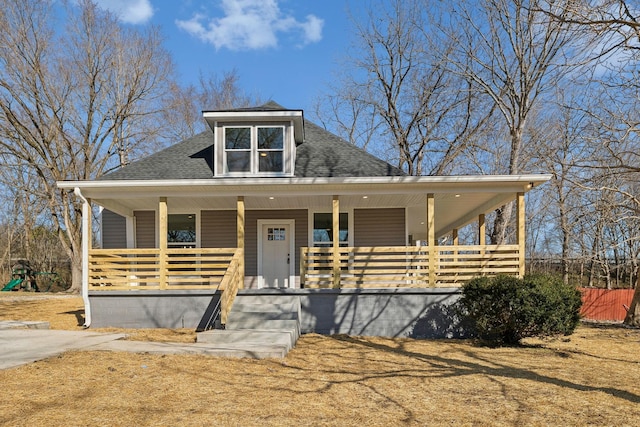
184 268
406 266
457 264
231 282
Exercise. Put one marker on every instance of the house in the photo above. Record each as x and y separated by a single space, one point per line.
270 205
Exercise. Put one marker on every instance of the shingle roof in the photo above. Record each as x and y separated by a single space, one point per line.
269 106
189 159
322 154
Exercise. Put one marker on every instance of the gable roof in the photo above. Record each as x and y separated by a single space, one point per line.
322 154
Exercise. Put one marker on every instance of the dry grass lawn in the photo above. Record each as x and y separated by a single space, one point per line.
590 378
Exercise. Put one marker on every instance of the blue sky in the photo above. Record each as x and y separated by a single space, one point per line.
285 50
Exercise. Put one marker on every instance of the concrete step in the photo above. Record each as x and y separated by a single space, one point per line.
285 337
266 299
244 350
262 308
23 324
263 316
260 324
256 322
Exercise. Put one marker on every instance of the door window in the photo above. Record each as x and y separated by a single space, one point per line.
276 234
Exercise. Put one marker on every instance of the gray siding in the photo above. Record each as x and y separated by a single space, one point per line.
218 229
379 227
145 229
251 236
114 230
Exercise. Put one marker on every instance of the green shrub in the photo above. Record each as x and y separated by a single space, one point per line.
506 309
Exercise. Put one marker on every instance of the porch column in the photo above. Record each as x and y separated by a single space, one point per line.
336 241
482 235
240 233
520 233
162 241
431 238
130 227
455 242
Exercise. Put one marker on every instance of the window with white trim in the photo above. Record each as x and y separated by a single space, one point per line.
254 149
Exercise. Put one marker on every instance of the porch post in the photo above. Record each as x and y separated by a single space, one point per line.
240 233
130 227
162 243
336 241
521 233
431 238
455 241
482 235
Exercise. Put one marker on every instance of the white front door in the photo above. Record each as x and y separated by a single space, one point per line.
276 253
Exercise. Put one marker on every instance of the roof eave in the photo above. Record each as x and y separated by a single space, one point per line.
296 116
339 185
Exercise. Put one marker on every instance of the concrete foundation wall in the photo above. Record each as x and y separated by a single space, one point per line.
416 313
151 309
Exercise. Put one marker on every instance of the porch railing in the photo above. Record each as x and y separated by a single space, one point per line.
406 266
178 268
230 284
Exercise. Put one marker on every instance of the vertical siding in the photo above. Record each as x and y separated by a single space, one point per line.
114 230
251 236
605 304
145 229
218 229
379 227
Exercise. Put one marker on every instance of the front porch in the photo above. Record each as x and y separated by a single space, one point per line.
386 234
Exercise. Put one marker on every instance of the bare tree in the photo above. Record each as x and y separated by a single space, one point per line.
78 94
615 158
397 88
613 25
513 54
183 115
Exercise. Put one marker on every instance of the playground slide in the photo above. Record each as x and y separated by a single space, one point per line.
12 284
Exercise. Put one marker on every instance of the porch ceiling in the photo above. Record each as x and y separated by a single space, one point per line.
458 200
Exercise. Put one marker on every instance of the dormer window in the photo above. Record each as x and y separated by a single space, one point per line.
256 141
254 149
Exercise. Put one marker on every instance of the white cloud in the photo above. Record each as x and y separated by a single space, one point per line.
128 11
251 24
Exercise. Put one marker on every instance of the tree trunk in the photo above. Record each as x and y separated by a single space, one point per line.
633 315
76 274
498 235
566 241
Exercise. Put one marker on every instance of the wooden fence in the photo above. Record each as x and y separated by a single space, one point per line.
605 304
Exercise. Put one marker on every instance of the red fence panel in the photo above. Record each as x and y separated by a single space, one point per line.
605 304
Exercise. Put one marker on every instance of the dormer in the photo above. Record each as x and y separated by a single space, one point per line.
257 141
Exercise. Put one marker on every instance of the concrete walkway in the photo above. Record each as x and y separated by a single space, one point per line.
26 342
22 346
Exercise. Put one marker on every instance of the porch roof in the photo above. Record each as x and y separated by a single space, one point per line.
458 199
